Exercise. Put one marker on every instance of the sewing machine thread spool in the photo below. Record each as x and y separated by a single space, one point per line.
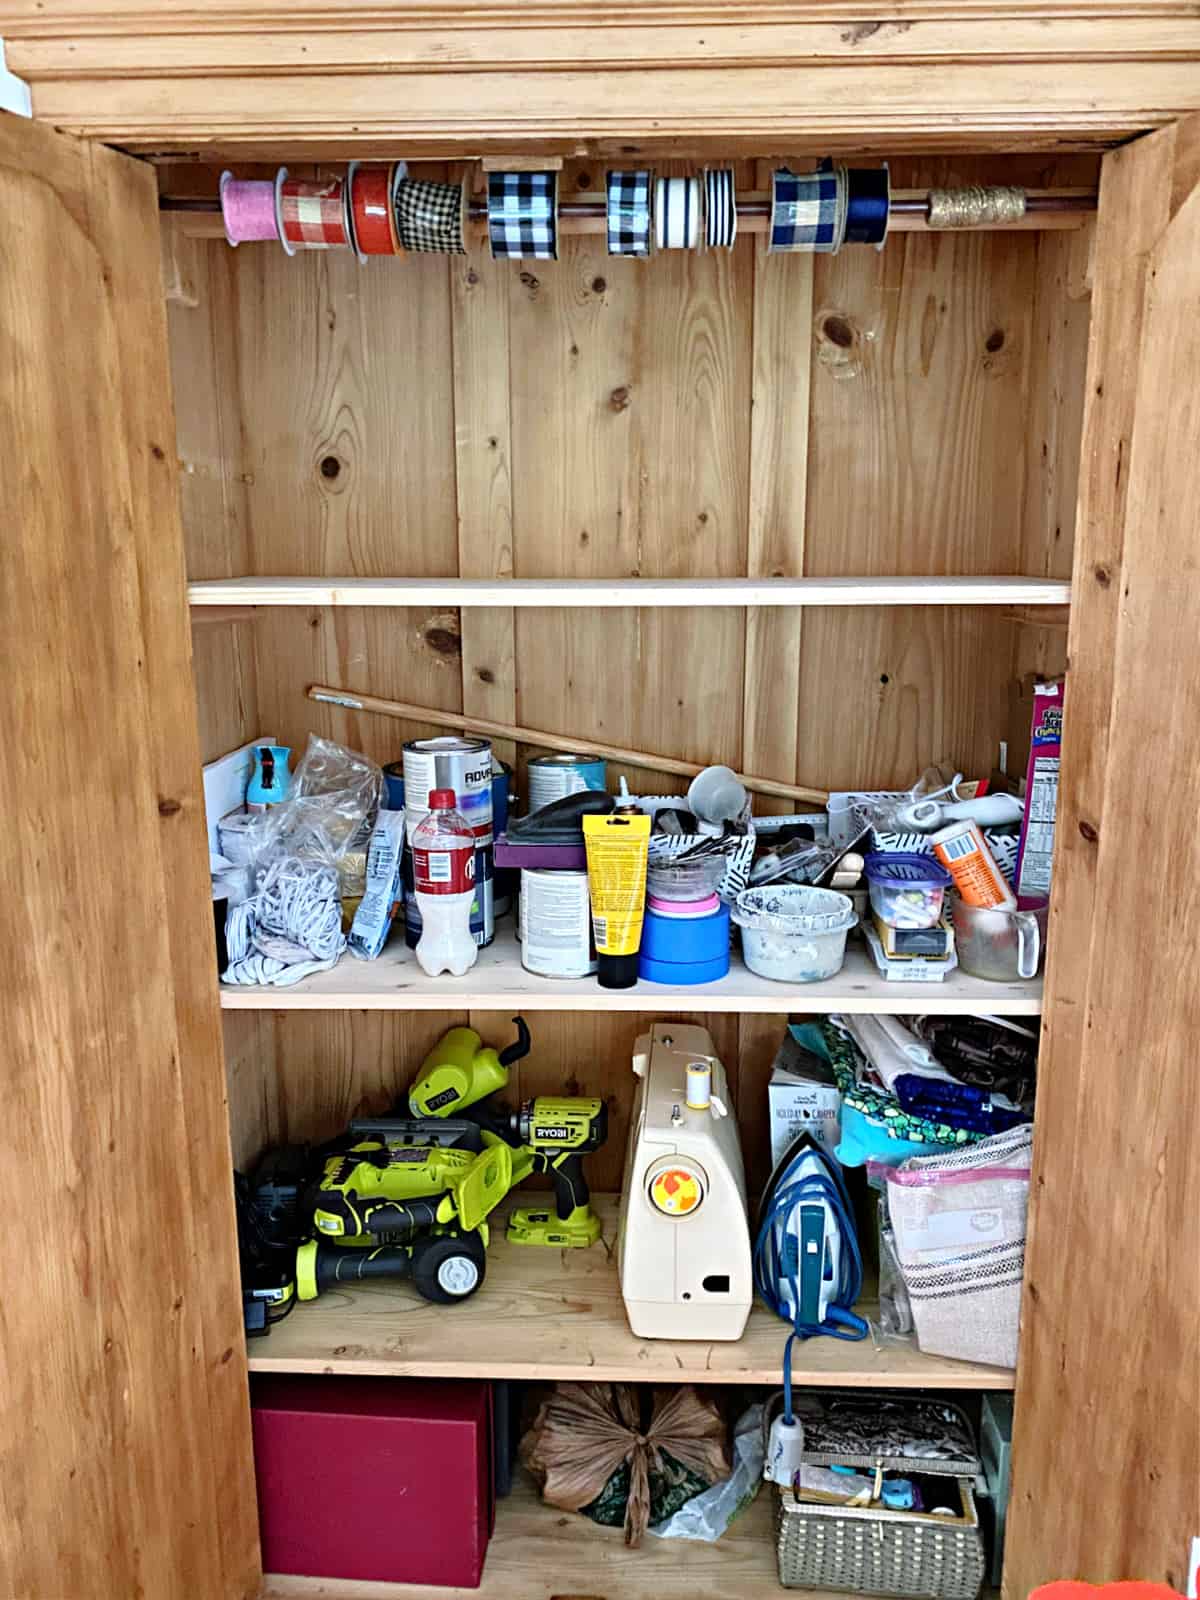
699 1085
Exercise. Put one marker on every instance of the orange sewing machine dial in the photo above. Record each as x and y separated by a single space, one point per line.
676 1190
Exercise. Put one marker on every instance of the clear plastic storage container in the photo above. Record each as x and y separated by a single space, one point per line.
793 933
907 891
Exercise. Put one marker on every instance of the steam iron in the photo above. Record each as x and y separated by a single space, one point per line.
807 1262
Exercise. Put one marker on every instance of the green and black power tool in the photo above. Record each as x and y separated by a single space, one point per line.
548 1135
386 1207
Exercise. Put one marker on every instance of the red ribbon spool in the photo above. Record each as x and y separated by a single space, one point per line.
372 212
313 214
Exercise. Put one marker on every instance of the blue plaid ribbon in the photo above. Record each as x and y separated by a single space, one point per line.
808 211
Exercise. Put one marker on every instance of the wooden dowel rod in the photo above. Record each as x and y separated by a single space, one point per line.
552 741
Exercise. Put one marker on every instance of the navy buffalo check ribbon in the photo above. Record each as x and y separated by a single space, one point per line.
808 210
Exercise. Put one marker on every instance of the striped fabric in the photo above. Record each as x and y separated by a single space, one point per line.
720 210
961 1246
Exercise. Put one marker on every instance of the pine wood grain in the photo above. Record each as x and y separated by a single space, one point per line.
1116 1153
432 79
547 1315
127 1458
204 372
483 457
778 483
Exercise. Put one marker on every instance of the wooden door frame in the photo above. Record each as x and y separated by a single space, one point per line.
1106 1481
127 1451
434 78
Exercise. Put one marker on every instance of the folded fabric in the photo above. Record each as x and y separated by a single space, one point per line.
959 1221
992 1054
892 1049
957 1103
875 1127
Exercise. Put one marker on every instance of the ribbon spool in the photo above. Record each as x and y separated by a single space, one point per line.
522 211
372 208
809 210
248 209
677 213
430 216
720 209
312 213
629 213
975 206
868 205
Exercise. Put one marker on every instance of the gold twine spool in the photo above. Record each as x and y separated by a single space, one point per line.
975 206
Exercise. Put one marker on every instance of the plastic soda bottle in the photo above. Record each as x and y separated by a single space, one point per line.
443 847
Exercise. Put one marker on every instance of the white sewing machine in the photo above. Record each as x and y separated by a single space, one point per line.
683 1241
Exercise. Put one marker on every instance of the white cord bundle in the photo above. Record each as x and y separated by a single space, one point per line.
292 927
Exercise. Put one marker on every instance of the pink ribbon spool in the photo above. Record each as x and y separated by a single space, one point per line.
248 209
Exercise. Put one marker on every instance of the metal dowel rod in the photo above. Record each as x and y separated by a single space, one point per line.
594 210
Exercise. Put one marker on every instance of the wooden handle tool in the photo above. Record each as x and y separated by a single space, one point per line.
552 741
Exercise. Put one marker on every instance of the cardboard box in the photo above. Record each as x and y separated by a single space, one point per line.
1035 855
384 1479
802 1098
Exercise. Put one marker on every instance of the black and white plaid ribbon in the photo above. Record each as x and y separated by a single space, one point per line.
629 213
429 216
523 215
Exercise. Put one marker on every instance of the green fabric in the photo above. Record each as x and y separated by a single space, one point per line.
670 1488
883 1108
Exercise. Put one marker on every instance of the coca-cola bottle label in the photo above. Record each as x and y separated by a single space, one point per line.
444 871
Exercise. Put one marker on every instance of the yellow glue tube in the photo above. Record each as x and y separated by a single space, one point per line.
617 848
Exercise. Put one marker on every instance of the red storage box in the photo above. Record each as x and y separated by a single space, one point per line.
375 1478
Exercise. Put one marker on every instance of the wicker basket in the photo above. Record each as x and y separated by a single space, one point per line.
872 1550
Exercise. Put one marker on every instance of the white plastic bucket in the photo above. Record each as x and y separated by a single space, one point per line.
792 932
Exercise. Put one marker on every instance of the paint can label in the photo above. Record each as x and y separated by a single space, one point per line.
464 765
556 924
551 777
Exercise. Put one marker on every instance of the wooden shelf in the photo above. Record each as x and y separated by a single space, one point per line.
593 592
557 1314
394 982
540 1553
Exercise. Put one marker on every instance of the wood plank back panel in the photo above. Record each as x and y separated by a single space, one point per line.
1117 1150
684 416
127 1455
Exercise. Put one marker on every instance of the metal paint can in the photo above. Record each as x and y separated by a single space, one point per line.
464 765
551 777
556 924
507 879
452 762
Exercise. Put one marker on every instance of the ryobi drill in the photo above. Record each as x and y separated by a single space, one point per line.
548 1134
